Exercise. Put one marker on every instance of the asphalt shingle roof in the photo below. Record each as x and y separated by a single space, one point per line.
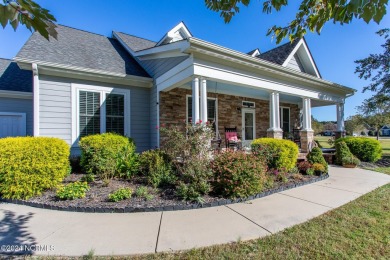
82 49
135 43
279 54
13 78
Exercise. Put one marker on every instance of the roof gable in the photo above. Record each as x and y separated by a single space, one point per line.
12 78
254 53
305 61
177 33
295 55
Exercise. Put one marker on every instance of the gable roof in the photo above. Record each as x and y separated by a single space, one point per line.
81 49
177 33
12 78
279 54
297 51
135 43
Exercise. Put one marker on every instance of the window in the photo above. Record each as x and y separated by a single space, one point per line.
115 113
211 109
285 119
89 113
99 110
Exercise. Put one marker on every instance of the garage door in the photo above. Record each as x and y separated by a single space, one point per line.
12 124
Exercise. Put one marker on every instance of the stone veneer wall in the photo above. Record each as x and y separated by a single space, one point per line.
173 111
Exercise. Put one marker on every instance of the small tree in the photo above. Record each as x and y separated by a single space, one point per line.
354 123
376 111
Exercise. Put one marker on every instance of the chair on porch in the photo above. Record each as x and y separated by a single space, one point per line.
231 138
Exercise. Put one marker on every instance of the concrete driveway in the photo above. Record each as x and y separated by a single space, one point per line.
28 230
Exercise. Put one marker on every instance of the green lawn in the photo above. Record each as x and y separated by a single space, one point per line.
385 142
358 230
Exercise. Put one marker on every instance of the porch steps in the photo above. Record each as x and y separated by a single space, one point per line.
302 157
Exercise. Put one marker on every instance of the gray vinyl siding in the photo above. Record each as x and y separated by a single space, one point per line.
17 105
157 67
153 117
56 110
295 64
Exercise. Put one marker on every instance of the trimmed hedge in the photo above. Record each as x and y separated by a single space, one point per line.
108 155
237 174
30 165
279 153
365 149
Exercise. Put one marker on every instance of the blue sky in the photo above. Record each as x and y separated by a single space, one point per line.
334 51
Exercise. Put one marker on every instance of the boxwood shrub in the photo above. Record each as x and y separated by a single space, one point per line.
237 174
365 149
30 165
108 155
278 153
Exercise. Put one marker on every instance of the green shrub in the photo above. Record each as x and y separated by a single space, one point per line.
237 174
30 165
108 155
319 168
157 168
88 178
342 151
279 153
366 149
142 192
75 190
120 194
315 156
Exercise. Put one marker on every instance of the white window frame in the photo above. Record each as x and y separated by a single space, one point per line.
76 88
281 117
216 110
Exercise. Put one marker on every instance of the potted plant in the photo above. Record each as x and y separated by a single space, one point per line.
350 161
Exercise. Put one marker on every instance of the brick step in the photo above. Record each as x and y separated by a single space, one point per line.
302 156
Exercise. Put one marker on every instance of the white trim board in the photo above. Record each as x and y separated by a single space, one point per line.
15 94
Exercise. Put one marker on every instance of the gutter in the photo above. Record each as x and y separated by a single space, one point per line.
248 60
76 69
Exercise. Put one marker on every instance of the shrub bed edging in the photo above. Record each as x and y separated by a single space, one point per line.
163 208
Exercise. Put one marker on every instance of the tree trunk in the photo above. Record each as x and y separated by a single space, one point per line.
377 133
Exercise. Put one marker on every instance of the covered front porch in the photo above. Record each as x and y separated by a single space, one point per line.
254 112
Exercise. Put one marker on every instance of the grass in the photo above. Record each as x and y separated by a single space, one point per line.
356 230
385 143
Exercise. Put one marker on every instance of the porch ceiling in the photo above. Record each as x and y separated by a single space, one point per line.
228 89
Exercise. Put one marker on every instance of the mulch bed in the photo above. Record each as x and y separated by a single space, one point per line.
97 196
384 162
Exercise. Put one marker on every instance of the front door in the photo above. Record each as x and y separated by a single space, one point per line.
248 127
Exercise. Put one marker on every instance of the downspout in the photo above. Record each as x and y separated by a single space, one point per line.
35 98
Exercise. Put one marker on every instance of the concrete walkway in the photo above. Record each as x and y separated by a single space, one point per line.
74 234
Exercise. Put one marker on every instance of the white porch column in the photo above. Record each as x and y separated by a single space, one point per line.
340 120
307 134
35 99
195 100
203 101
274 117
306 102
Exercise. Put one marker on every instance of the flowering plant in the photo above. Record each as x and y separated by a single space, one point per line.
188 147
